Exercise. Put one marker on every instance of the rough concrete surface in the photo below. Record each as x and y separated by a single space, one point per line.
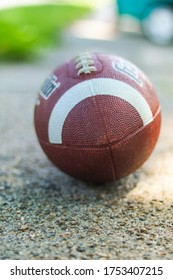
45 214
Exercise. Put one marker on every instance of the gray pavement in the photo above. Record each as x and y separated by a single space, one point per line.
46 214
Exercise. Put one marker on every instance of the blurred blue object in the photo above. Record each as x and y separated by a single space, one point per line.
155 17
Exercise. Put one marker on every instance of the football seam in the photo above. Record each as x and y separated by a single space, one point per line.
113 166
102 146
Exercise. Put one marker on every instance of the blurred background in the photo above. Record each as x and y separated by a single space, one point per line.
28 27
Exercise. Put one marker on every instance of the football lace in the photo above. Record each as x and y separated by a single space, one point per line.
85 64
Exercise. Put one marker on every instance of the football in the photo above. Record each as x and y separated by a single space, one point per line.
97 117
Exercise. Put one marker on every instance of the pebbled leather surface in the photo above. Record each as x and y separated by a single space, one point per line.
100 120
107 162
103 137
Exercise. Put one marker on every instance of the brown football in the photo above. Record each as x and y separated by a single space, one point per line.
97 117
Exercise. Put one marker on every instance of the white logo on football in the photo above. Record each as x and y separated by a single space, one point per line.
49 86
89 88
128 69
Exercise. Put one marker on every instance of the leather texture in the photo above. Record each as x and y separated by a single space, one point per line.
103 130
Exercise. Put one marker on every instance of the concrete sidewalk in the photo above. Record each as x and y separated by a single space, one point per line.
46 214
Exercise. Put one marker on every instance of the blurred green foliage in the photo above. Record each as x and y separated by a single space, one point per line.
25 30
